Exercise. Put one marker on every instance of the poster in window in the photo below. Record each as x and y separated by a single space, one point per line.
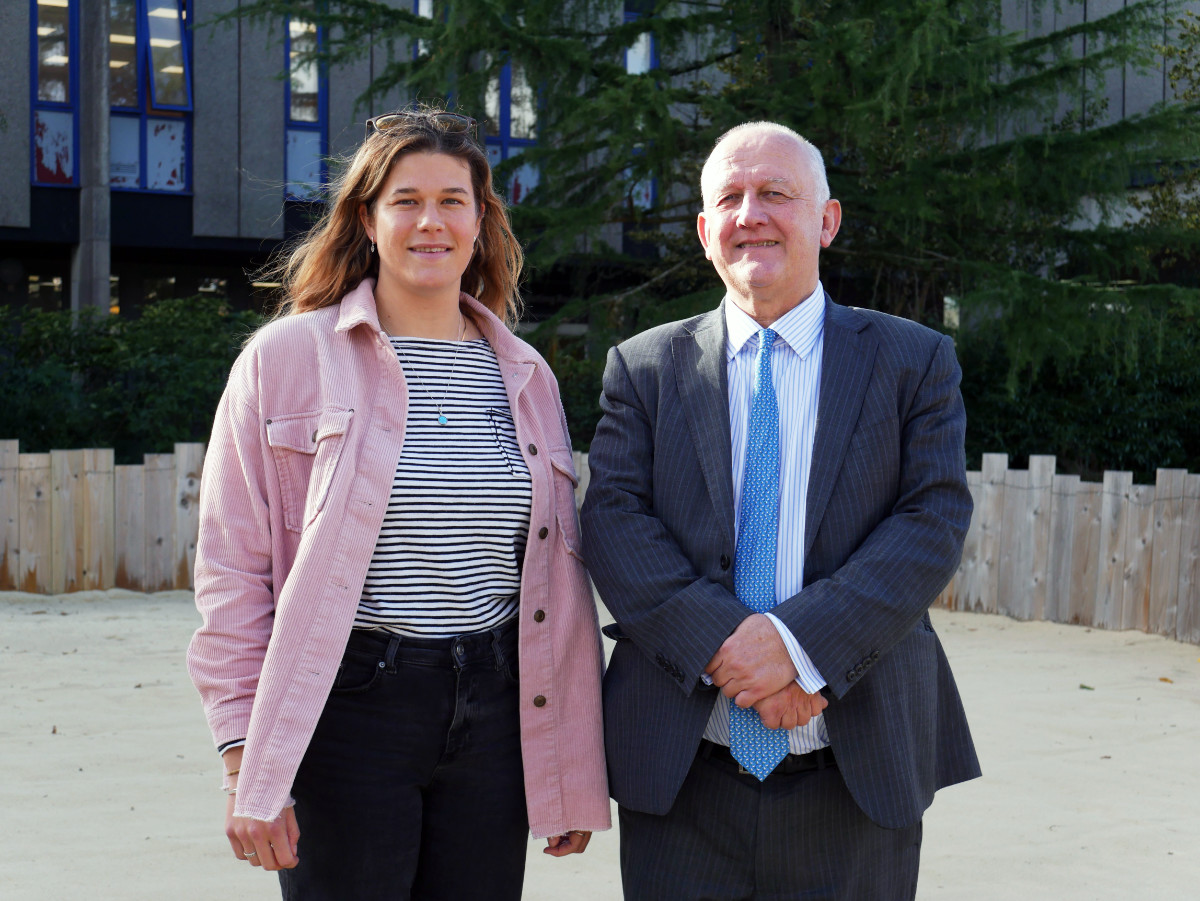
125 154
304 164
54 147
166 155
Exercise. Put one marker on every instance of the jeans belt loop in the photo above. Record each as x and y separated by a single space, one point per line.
389 656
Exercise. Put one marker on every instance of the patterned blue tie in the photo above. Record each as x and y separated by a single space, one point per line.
756 747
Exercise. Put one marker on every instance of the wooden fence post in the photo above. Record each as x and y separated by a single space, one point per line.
1016 560
1187 622
189 464
1063 490
1085 554
10 516
1041 489
991 521
1114 528
36 558
1164 572
130 514
99 536
1139 558
67 520
160 521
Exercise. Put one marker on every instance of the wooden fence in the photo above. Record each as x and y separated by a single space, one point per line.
1113 555
72 521
1041 546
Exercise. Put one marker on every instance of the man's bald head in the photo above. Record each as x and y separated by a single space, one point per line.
808 152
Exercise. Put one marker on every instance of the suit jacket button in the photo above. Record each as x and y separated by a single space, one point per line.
539 615
724 561
533 449
539 701
543 532
851 676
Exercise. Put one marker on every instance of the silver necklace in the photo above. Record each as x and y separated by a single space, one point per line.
442 418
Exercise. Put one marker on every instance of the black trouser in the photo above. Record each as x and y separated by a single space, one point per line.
412 785
800 835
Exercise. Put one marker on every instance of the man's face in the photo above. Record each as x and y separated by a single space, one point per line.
762 226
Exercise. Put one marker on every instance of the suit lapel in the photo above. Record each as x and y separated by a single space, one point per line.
703 379
846 364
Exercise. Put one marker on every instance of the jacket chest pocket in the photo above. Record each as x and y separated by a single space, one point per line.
562 468
306 448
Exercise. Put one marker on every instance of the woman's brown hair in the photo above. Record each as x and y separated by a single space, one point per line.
334 256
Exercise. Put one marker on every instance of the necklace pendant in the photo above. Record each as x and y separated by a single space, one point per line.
442 420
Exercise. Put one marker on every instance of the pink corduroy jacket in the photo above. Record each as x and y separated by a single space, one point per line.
296 481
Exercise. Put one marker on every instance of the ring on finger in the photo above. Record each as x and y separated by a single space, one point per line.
250 853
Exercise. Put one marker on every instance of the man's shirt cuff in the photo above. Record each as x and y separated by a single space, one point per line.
807 675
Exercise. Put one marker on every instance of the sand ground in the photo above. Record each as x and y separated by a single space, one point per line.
1090 744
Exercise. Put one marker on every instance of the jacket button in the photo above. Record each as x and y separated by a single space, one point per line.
543 532
539 701
724 561
533 449
539 615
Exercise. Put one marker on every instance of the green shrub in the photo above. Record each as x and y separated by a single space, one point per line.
135 385
1130 403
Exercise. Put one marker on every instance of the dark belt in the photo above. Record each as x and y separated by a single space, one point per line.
820 759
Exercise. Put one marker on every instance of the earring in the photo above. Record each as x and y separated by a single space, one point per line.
372 247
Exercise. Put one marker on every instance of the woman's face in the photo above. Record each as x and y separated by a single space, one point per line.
424 225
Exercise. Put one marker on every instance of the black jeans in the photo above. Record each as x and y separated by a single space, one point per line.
412 785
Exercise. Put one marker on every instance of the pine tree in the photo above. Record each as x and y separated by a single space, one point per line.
974 164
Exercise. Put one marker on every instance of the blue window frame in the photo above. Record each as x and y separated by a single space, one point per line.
307 112
54 84
510 126
150 94
640 58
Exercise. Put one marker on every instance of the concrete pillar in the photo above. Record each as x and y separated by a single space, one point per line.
90 258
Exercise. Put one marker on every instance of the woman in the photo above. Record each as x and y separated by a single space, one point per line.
387 527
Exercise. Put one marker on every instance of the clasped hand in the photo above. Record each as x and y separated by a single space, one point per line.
752 667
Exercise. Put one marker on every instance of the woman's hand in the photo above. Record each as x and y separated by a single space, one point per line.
272 846
573 842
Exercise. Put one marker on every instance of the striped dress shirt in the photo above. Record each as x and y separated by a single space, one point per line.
796 374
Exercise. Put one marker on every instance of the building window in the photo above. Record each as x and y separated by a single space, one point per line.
149 69
55 126
307 116
510 125
640 58
424 9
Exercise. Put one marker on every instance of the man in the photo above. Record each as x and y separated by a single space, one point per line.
777 496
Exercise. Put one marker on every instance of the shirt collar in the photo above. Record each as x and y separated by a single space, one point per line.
799 327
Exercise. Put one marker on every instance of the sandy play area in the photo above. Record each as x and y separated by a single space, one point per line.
1090 743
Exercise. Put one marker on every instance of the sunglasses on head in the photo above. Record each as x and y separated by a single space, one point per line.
451 122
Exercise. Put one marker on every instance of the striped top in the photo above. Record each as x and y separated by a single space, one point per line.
796 375
448 556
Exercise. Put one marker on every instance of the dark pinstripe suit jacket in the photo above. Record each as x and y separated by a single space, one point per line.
888 507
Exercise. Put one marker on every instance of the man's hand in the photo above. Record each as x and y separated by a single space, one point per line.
790 707
753 662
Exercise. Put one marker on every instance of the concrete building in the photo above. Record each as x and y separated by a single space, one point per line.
152 151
